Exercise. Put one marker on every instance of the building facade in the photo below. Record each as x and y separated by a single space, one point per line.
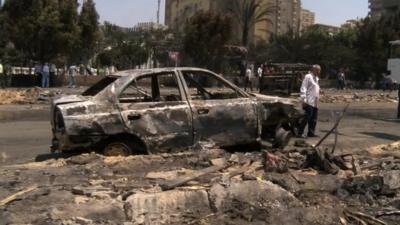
326 28
285 16
351 24
147 26
177 12
378 8
307 19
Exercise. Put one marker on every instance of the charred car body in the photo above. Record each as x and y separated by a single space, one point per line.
161 110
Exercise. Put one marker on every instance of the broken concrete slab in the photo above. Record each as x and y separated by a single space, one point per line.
391 179
166 207
168 175
265 193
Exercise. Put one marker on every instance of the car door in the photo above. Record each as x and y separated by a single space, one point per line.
154 109
221 113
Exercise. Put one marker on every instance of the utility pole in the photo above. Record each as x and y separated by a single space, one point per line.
158 12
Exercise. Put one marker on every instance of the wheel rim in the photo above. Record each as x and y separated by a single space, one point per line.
116 149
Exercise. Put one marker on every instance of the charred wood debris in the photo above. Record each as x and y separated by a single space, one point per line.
301 184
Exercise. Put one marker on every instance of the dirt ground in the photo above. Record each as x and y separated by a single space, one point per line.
91 189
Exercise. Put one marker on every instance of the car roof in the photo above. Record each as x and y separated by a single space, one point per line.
124 73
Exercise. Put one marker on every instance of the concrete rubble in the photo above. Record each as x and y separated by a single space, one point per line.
262 187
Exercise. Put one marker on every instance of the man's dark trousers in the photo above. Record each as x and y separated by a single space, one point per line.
310 119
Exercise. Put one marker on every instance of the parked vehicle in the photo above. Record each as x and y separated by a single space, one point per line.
167 109
283 78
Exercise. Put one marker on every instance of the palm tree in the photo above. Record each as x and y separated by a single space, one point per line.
248 13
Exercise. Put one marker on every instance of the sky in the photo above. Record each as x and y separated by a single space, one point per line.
336 12
127 13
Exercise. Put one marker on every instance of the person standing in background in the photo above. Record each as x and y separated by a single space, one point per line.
341 79
45 76
53 70
3 78
71 76
260 72
248 79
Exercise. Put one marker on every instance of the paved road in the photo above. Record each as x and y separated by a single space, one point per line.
24 133
25 130
364 125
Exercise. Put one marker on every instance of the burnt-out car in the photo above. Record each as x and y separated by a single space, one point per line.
168 109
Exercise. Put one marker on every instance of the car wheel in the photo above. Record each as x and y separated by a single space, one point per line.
117 148
282 138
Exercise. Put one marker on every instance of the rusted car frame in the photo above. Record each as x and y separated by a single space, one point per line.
167 109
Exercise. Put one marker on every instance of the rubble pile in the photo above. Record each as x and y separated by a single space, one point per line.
358 97
26 96
297 185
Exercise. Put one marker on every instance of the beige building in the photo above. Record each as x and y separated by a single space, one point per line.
147 26
285 16
326 28
378 8
177 12
307 19
351 24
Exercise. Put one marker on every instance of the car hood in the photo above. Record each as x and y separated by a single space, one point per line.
275 99
65 99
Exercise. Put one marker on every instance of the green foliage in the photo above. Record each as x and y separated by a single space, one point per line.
90 33
248 13
206 34
126 55
48 30
122 48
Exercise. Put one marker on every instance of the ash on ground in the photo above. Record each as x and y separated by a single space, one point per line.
262 187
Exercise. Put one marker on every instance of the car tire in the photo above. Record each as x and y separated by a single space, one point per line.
118 148
282 138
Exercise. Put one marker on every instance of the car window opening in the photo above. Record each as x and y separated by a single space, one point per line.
152 88
99 86
204 86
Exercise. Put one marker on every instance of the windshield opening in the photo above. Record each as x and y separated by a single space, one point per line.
99 86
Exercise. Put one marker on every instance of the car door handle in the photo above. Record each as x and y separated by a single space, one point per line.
134 117
203 111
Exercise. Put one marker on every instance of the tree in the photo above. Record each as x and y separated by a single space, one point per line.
90 33
70 30
206 34
248 13
371 50
36 29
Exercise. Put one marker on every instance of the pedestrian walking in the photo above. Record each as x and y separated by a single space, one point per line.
71 76
309 95
3 78
45 76
248 79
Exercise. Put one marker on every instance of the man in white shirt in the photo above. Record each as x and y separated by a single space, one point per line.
2 77
248 79
309 95
260 73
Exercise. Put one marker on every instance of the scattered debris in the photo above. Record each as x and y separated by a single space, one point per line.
300 185
16 195
27 96
351 96
182 180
